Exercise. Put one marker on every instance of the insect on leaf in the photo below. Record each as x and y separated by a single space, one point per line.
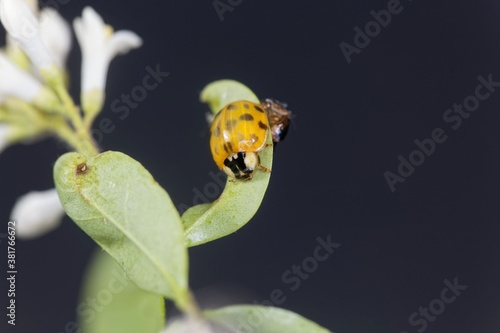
240 200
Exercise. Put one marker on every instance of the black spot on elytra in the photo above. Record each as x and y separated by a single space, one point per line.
217 131
262 125
258 108
232 107
226 149
246 116
229 146
246 106
230 124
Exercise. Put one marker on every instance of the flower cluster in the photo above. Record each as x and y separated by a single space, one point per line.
34 100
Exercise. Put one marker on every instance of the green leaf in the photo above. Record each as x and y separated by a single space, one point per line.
111 303
262 319
245 318
192 325
240 200
222 92
119 204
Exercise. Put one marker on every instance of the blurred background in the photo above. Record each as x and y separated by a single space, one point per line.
356 109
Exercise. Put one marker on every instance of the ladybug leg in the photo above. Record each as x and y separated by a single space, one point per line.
263 168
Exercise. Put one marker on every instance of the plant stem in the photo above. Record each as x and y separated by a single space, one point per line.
188 305
66 133
85 144
70 106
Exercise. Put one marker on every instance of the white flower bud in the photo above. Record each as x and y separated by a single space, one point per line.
37 213
16 82
99 45
23 26
22 85
56 35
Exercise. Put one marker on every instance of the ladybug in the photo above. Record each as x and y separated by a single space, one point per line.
279 118
237 134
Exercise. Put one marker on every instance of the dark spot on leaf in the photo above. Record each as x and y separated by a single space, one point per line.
82 169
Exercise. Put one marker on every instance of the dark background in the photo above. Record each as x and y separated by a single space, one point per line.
351 123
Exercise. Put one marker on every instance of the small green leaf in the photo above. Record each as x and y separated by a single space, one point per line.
222 92
118 203
262 319
111 303
240 200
